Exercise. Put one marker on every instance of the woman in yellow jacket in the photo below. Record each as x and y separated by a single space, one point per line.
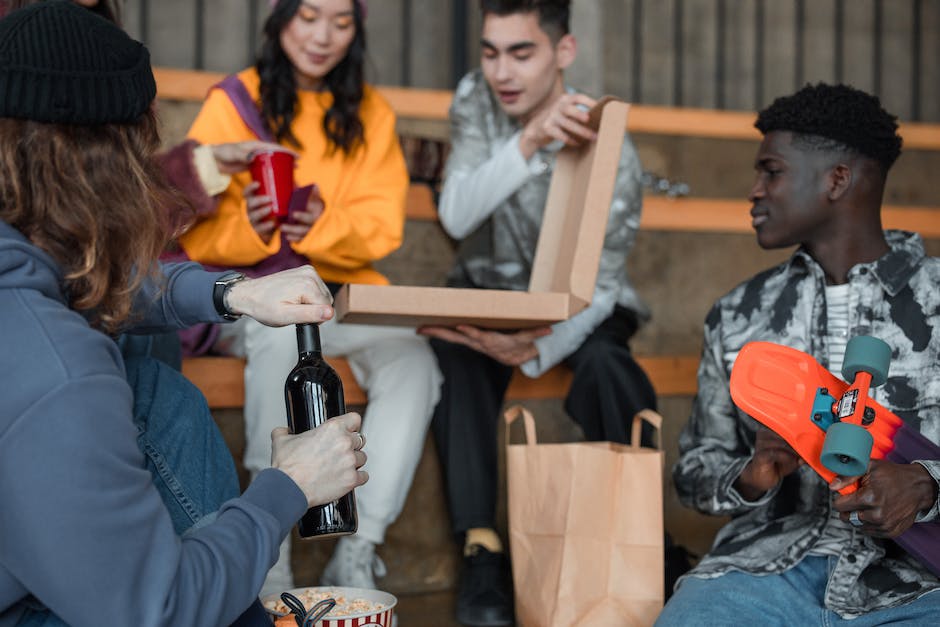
308 88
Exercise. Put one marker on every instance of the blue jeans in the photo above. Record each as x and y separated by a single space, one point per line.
190 462
185 453
794 597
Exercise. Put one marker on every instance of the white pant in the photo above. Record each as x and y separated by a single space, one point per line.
394 365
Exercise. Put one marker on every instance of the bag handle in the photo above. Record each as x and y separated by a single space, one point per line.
652 417
518 411
655 419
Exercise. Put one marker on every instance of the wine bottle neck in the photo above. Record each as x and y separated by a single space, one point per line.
308 339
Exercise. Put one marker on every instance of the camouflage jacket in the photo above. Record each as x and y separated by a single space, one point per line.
895 298
499 253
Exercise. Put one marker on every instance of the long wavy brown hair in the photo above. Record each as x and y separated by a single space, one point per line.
91 197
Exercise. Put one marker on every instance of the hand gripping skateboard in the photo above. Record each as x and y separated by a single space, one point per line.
836 427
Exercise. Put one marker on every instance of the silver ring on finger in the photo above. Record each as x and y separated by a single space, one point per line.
362 441
855 520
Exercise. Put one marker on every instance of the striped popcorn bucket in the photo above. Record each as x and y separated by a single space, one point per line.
356 607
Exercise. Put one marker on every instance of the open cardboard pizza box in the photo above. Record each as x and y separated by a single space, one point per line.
566 258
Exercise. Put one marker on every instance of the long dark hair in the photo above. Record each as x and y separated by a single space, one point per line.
342 124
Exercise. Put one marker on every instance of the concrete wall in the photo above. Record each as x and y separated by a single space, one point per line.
733 54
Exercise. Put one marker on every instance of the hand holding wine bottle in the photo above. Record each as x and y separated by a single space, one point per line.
324 461
314 395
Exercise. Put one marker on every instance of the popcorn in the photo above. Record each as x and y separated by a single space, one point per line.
344 606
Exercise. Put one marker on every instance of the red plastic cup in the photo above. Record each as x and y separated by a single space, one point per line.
274 170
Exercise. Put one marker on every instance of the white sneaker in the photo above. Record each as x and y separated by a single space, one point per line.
354 563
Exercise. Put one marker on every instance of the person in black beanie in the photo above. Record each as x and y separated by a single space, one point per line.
121 506
61 79
199 172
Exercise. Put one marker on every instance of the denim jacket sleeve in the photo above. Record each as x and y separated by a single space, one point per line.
713 446
933 467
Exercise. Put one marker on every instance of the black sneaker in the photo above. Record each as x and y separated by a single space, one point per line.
484 594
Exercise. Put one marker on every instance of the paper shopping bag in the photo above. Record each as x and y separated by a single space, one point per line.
585 529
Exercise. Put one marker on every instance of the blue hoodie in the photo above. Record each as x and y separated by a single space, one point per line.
82 528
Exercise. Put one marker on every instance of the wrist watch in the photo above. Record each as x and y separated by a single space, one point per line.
220 290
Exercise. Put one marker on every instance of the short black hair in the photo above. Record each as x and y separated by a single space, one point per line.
836 117
554 15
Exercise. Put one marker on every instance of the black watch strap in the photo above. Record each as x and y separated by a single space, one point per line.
222 285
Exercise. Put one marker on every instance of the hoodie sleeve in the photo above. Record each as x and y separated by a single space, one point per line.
85 530
182 166
178 299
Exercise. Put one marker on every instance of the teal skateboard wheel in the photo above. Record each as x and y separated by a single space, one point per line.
847 449
865 353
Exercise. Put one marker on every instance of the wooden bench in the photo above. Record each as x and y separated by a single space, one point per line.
422 532
431 106
221 380
424 112
718 215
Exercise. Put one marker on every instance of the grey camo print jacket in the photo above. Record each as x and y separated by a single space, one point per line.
500 252
896 298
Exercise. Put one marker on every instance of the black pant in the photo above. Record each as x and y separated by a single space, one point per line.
608 389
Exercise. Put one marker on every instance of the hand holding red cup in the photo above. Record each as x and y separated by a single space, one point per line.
273 170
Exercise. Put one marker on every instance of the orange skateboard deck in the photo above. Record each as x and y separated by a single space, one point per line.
794 396
789 392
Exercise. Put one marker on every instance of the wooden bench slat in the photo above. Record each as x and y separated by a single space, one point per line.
661 213
689 122
185 85
722 215
671 375
419 204
221 379
433 105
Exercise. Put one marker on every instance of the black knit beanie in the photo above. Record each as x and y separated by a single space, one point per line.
61 63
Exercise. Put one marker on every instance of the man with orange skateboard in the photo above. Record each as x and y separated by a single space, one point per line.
795 551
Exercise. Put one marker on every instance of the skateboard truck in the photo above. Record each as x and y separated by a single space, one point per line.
847 448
